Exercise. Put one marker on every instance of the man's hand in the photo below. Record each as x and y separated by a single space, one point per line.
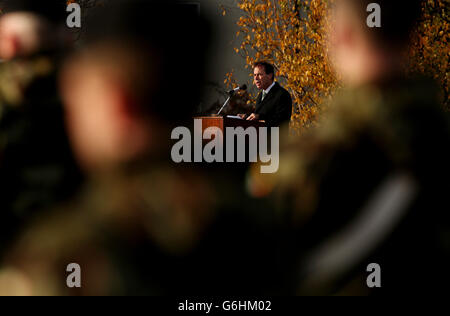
253 117
242 116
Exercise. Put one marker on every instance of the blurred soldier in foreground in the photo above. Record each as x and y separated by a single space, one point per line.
367 185
36 168
142 225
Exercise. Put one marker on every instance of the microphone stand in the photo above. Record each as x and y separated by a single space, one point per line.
225 104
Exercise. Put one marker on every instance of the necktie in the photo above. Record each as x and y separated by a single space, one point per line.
264 94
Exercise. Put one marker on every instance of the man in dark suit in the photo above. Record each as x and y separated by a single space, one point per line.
274 103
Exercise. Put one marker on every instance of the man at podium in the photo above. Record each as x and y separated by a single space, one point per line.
274 103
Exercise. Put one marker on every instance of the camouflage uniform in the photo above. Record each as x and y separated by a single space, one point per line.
36 168
149 228
329 175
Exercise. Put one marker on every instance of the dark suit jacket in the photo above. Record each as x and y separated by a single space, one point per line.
276 109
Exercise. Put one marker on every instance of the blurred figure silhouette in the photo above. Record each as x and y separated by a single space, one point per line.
36 165
119 90
142 224
366 185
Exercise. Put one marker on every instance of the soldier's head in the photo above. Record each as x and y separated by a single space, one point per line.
263 75
368 39
120 89
27 26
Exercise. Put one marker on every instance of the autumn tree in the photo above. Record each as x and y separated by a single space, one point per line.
292 35
430 51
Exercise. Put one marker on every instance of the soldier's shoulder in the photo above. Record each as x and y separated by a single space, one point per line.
158 206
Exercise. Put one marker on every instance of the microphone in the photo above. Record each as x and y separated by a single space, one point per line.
230 94
243 88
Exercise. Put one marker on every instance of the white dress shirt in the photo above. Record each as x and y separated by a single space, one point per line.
266 92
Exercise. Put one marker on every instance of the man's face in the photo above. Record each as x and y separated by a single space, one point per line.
349 49
261 79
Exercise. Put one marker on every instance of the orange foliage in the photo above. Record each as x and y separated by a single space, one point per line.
292 34
430 52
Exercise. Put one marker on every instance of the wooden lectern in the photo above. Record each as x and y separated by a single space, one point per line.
222 122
